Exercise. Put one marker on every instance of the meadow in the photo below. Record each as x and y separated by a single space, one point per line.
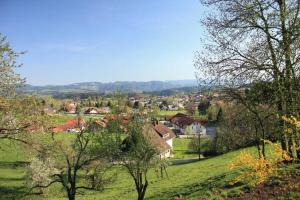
208 177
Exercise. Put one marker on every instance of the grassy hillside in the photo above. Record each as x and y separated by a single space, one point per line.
208 178
191 180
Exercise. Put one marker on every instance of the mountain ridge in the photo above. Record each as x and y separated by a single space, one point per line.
99 87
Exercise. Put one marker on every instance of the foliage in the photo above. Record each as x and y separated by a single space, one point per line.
22 115
60 160
255 171
256 44
234 129
9 79
203 106
206 178
139 155
292 132
199 145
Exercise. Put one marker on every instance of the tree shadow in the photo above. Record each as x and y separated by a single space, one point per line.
12 192
13 165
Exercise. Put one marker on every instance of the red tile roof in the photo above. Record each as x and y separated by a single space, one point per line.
71 123
182 120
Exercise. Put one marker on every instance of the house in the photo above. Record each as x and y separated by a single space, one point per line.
72 125
70 107
165 133
172 107
123 120
158 136
186 125
91 111
159 143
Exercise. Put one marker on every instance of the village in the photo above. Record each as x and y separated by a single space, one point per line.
150 100
169 117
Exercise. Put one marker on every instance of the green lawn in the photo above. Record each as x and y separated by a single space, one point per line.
182 150
170 112
62 118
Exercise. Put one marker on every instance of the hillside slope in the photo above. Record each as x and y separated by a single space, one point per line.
207 178
190 180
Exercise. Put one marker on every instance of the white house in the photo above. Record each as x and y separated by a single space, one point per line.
163 144
165 133
187 125
91 111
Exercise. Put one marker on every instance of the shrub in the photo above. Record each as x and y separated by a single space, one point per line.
255 171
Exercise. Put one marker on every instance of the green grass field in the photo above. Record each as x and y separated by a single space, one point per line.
62 118
182 150
191 180
170 112
208 177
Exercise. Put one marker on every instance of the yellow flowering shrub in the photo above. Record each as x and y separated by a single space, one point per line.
294 124
277 154
252 170
292 120
255 171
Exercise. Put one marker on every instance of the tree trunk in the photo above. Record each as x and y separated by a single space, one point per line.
258 143
71 194
294 146
199 146
72 190
142 191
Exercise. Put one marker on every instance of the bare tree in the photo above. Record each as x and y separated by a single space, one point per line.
255 40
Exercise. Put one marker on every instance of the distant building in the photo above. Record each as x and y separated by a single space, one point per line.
186 125
70 107
158 141
165 133
91 111
72 125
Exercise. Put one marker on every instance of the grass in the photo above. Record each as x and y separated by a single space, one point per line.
162 113
209 178
182 150
190 180
62 118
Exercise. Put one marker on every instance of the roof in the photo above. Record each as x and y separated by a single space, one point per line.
151 135
70 106
90 110
71 123
182 120
164 132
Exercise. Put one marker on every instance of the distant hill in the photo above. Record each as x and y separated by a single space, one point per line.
104 88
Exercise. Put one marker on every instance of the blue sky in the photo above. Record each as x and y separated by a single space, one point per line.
70 41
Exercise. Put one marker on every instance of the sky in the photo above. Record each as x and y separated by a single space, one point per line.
69 41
